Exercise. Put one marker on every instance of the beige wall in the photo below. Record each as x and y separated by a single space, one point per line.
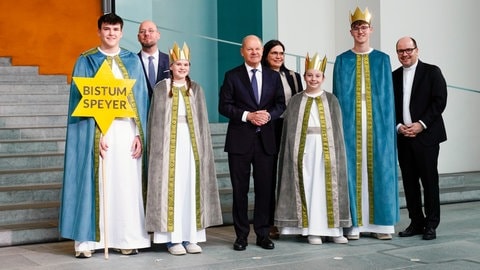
446 32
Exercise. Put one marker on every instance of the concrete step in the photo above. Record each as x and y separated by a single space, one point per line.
42 231
27 212
221 165
39 120
45 223
32 145
35 176
35 89
454 180
31 160
454 188
33 79
33 117
29 193
22 133
218 150
18 70
460 194
33 109
5 61
218 132
34 99
223 180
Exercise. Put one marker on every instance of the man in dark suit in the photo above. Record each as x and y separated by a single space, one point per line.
251 97
158 69
420 99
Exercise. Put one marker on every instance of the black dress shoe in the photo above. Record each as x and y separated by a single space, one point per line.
411 231
240 244
429 234
265 243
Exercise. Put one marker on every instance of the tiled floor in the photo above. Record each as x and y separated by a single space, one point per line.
457 247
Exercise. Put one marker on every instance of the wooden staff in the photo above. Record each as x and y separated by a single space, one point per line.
105 231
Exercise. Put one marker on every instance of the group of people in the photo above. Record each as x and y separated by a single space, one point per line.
324 164
107 199
333 154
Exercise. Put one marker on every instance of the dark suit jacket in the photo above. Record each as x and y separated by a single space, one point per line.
236 96
427 102
163 69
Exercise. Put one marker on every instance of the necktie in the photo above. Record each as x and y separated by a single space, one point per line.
151 72
255 86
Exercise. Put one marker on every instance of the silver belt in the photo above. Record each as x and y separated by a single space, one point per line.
313 130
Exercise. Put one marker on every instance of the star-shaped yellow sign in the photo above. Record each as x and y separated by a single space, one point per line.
104 97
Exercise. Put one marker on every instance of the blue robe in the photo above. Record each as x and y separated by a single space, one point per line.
385 209
80 199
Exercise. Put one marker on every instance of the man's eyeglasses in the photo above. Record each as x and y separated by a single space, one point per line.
143 31
358 28
408 51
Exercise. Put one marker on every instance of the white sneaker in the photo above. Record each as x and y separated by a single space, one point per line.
352 233
382 236
339 239
83 254
129 251
353 236
314 240
177 249
193 248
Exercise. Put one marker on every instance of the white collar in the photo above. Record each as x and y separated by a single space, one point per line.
249 68
109 54
412 67
146 55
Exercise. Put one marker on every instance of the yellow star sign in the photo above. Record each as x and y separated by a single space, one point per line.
104 97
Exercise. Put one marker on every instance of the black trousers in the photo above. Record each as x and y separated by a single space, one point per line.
418 164
240 169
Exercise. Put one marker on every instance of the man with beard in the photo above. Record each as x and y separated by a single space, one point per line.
155 63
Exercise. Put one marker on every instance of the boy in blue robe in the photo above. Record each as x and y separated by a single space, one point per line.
362 82
117 155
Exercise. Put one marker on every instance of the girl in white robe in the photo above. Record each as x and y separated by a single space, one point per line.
313 196
182 198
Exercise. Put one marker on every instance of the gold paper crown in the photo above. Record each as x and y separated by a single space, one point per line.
358 15
179 54
316 63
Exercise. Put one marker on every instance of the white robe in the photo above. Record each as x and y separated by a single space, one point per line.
314 184
125 212
184 227
367 227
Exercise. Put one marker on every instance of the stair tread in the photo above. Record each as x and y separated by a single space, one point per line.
33 127
33 103
30 205
38 224
29 154
31 170
34 114
31 187
23 140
